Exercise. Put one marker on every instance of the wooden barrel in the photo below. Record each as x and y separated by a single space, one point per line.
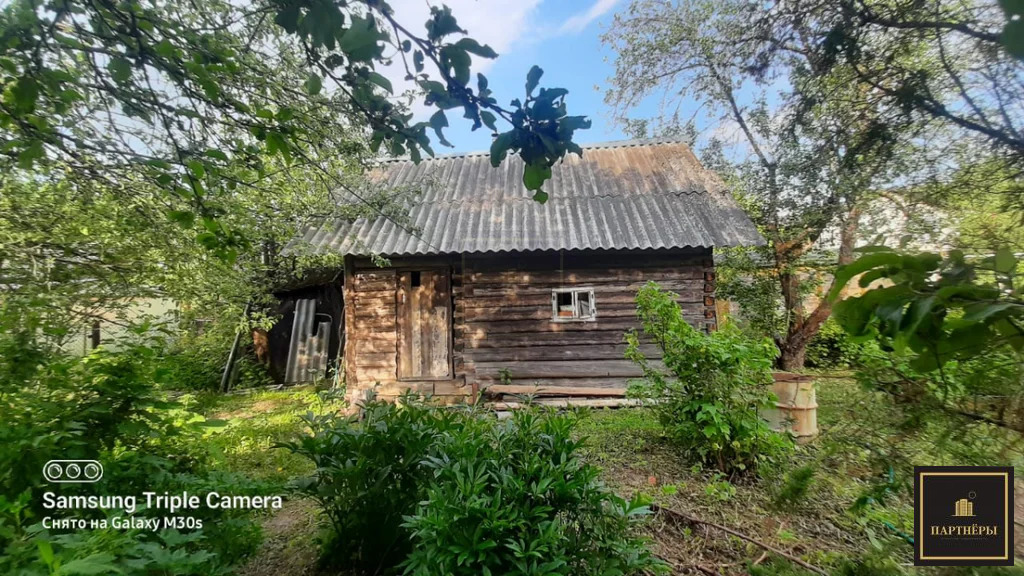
796 408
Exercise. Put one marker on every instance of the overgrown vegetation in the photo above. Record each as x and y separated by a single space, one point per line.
105 406
414 488
711 388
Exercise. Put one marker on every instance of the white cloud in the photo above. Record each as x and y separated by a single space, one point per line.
581 20
497 23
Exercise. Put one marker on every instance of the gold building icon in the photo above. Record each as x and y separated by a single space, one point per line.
963 507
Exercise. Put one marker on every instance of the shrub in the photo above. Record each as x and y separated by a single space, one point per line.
430 490
832 347
798 483
515 497
104 406
707 387
369 475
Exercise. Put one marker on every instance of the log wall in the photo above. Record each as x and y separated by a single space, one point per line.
501 318
508 334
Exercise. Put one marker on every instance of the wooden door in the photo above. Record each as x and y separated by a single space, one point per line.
424 325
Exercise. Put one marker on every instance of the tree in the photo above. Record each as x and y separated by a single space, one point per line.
130 130
807 162
194 98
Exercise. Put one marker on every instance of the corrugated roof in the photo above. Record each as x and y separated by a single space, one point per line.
620 195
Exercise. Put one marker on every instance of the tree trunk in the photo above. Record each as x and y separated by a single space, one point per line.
791 357
801 328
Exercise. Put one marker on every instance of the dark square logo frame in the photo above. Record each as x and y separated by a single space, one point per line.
963 516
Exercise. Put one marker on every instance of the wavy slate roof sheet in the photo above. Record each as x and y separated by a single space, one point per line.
620 195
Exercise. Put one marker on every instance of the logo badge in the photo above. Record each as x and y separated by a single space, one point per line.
963 516
72 471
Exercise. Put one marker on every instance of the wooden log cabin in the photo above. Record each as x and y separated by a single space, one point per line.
485 289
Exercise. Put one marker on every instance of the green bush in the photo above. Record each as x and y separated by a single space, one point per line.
832 347
515 497
195 360
708 387
431 490
106 407
797 484
369 476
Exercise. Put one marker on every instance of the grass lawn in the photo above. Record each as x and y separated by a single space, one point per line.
629 446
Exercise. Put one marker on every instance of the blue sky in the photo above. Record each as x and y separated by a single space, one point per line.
572 57
561 36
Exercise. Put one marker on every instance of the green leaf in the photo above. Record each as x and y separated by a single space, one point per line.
489 120
540 196
197 168
499 148
441 23
120 69
184 218
25 92
359 42
1012 7
845 273
474 47
1013 38
533 78
458 61
417 60
30 154
535 174
45 552
313 84
381 81
1005 261
99 563
288 16
438 121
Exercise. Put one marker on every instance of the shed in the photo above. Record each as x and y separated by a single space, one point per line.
485 288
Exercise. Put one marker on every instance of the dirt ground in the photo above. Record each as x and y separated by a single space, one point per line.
289 545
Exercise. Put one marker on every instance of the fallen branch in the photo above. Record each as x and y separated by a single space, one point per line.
693 520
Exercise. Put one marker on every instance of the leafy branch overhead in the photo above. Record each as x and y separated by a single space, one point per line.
939 308
194 100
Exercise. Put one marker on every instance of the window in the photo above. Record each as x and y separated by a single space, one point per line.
573 304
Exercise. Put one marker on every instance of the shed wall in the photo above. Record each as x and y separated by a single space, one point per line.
502 319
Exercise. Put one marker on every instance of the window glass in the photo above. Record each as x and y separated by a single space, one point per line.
573 304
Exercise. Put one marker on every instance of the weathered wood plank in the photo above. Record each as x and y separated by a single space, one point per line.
551 352
544 313
609 382
619 275
604 297
553 390
620 325
507 290
570 402
481 339
557 369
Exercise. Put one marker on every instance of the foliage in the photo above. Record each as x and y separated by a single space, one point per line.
818 113
196 99
711 387
451 491
741 277
798 482
799 159
832 347
369 476
939 309
104 407
515 497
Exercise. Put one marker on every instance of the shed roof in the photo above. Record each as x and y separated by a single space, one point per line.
647 194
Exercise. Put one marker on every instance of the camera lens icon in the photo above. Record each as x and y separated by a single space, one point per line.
73 471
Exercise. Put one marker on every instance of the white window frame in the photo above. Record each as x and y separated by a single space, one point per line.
577 314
